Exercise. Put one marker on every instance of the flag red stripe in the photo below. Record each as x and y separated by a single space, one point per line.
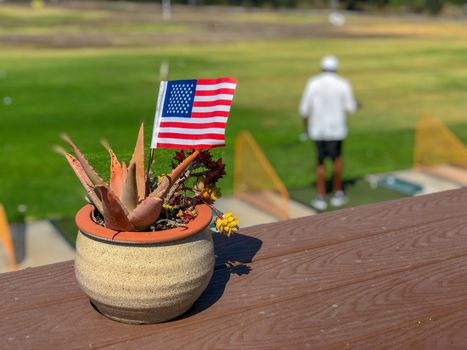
192 125
214 92
171 145
209 114
212 103
216 81
175 135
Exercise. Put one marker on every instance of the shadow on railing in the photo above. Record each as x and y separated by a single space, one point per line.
232 257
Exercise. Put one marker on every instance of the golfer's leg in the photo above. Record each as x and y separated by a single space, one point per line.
321 180
320 168
335 151
337 177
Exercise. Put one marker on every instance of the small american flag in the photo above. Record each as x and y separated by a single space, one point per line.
192 114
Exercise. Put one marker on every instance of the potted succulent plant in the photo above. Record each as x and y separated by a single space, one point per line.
144 251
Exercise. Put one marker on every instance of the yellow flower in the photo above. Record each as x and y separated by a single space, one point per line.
211 194
187 215
167 207
228 224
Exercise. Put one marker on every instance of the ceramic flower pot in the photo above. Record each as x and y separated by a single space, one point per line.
144 277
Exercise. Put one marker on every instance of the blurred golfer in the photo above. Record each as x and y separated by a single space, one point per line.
324 106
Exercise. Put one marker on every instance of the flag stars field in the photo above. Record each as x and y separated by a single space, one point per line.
180 98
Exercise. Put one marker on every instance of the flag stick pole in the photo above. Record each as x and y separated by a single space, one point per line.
163 74
149 170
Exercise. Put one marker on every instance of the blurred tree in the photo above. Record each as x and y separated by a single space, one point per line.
434 7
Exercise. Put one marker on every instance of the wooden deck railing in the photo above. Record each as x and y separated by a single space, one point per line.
391 275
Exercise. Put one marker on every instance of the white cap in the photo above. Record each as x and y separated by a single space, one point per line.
329 63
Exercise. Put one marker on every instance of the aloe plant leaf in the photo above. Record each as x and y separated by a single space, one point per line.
162 188
146 213
124 171
138 160
117 176
85 181
83 178
88 169
114 212
130 192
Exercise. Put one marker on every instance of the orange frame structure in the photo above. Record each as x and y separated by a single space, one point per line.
438 151
7 242
256 181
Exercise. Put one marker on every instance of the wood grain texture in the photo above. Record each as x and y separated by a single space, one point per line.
330 228
319 320
443 331
35 287
330 280
271 281
242 247
327 267
337 265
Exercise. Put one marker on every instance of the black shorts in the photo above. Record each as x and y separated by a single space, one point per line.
328 149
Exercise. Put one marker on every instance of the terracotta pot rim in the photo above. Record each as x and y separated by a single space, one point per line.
88 227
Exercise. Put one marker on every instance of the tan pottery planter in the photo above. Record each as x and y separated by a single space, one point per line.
144 277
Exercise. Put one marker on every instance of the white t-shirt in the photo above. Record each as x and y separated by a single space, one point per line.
326 101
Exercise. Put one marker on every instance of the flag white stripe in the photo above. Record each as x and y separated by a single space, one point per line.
190 142
195 120
219 131
211 109
158 114
228 97
209 87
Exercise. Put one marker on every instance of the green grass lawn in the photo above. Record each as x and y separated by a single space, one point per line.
106 92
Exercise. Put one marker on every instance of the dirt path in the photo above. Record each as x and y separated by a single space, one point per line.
92 24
